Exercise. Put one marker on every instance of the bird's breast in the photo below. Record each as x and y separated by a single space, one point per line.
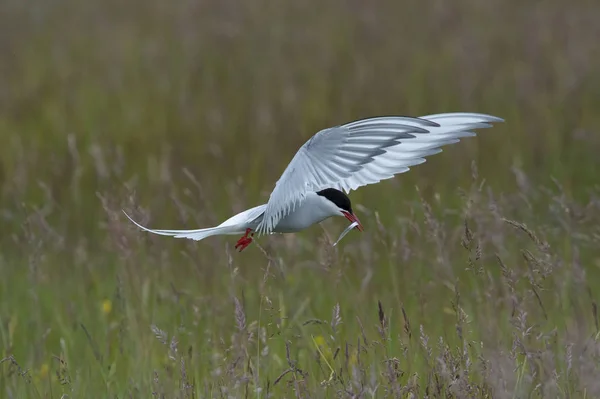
304 216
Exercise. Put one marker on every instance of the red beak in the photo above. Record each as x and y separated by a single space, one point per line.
351 217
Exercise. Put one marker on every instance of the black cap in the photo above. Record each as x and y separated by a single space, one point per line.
340 199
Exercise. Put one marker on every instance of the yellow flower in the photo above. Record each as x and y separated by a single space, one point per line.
323 348
106 306
44 371
319 340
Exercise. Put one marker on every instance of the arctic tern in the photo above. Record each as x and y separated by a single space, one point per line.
335 161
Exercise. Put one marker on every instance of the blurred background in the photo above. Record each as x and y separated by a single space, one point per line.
186 112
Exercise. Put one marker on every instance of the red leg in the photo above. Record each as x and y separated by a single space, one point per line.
244 241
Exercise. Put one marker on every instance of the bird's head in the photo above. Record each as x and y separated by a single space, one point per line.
342 203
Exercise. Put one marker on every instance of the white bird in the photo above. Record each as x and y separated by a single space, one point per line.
337 160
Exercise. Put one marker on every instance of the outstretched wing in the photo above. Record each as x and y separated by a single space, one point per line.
365 152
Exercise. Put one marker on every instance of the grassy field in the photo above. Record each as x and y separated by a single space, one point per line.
477 275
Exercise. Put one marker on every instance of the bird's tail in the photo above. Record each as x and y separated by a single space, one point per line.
198 234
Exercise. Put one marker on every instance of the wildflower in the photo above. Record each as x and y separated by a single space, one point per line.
319 340
106 306
44 371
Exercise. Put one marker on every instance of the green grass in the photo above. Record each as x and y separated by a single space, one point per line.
476 275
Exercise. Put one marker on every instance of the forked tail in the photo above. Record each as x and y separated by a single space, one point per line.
198 234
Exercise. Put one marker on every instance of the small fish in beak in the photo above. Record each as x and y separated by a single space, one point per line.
352 217
352 226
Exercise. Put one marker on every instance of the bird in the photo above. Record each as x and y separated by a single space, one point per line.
336 160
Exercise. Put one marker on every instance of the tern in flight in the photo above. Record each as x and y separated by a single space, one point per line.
335 161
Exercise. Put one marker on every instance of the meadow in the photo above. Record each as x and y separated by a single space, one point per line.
476 275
